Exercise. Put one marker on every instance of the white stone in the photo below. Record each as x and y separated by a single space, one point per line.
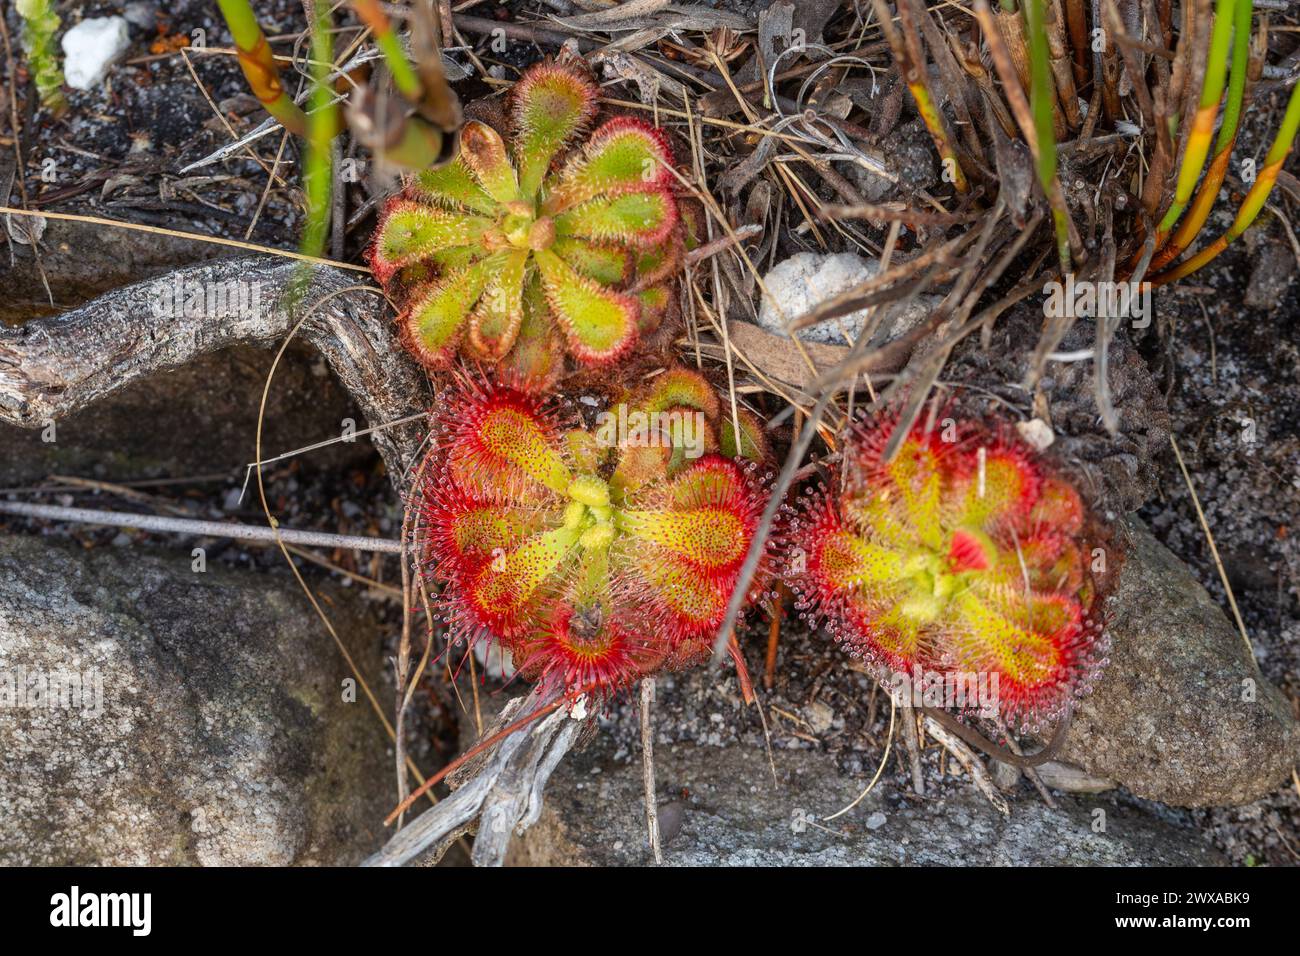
1037 433
90 48
807 279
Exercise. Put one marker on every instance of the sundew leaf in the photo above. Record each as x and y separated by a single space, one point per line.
483 152
599 323
602 261
495 323
549 105
414 231
432 324
453 185
623 155
640 218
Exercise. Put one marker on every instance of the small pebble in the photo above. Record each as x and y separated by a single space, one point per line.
671 815
807 279
820 716
1036 433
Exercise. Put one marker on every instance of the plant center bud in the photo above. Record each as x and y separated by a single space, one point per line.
517 228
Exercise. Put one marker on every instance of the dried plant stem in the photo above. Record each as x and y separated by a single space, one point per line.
969 58
1011 28
648 768
950 75
1255 198
1202 128
207 529
180 234
1106 68
505 733
1214 551
968 759
1042 97
912 743
777 612
404 680
1076 21
884 761
258 64
1062 67
1153 113
909 60
1199 212
1013 88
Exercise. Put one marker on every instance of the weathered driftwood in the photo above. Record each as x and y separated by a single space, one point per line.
970 761
503 792
53 366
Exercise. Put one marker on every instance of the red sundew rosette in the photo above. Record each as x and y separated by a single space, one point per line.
962 557
590 582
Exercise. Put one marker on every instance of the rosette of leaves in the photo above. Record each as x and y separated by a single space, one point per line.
965 556
544 242
595 556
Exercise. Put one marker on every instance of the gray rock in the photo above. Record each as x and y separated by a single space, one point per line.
1070 779
141 15
210 727
1274 267
910 151
733 815
1180 715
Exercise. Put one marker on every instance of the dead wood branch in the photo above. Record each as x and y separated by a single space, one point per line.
504 793
51 367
